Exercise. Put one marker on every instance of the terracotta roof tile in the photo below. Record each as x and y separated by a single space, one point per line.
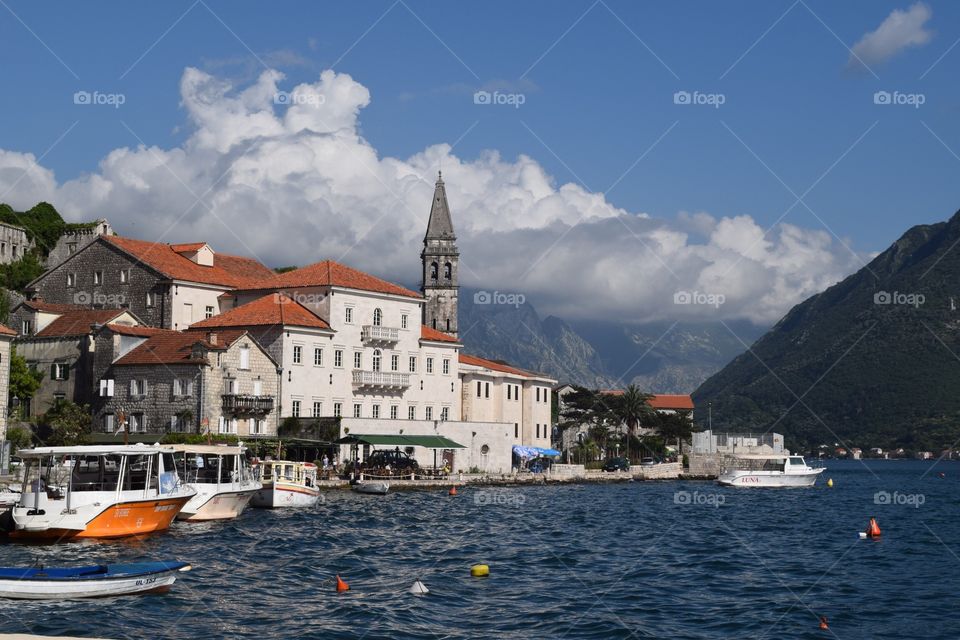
330 273
271 309
51 307
429 333
670 401
141 331
496 366
77 322
6 331
227 270
189 246
175 347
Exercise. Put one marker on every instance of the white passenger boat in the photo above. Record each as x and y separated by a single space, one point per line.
286 484
222 478
49 583
767 470
107 491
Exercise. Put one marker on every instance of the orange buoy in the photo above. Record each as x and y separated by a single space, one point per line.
341 585
873 531
453 491
823 623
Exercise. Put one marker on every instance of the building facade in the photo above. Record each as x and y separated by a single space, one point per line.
75 238
14 243
6 341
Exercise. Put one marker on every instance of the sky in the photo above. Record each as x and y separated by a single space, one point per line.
608 160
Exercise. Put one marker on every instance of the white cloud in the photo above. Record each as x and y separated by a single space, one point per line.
901 29
295 183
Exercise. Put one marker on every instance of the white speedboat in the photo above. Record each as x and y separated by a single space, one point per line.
222 478
286 484
108 491
43 583
767 470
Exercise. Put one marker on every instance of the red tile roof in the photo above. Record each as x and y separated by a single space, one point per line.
495 365
77 322
227 270
139 330
429 333
271 309
51 307
189 246
6 331
330 273
668 401
175 347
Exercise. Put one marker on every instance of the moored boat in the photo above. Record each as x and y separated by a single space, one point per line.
49 583
375 488
222 478
286 484
108 491
767 470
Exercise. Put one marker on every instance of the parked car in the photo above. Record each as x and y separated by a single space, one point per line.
616 464
648 462
398 461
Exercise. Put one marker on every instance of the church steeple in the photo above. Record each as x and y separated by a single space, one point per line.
440 258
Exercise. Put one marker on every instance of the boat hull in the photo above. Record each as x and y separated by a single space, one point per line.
129 518
98 585
275 495
372 488
769 479
217 506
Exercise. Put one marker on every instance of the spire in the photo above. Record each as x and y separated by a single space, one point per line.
440 225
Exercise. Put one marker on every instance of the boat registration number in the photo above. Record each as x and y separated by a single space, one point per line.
164 507
145 581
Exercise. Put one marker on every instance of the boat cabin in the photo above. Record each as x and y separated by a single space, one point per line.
300 473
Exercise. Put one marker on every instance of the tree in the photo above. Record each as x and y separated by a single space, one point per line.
19 438
24 381
632 409
585 408
66 424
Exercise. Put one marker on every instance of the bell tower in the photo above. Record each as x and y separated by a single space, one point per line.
440 259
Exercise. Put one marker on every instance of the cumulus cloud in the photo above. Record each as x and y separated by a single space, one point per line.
293 181
901 29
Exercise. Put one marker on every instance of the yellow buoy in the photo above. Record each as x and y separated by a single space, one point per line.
480 571
829 482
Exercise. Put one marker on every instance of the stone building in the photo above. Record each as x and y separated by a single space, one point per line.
441 261
13 243
6 339
75 238
192 381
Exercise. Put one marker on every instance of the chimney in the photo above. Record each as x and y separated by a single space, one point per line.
212 337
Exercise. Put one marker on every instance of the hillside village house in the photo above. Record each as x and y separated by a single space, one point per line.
14 243
6 339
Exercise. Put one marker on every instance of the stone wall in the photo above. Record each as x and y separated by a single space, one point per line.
43 353
5 343
13 243
74 240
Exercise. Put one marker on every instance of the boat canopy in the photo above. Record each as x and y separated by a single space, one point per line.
95 450
427 441
762 456
534 452
214 449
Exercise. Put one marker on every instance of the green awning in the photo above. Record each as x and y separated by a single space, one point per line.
390 440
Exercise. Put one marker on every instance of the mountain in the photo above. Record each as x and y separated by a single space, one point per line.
872 361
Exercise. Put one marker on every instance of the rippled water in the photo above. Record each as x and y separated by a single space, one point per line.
582 561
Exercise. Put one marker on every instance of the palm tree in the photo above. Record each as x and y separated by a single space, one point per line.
632 409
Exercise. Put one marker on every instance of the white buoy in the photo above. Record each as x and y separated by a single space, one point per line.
863 534
419 589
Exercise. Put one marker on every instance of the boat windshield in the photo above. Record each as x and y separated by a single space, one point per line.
756 464
796 460
96 473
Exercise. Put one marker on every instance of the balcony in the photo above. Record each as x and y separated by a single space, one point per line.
376 333
381 379
237 404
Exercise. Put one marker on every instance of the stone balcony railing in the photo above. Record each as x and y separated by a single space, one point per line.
381 379
235 403
376 333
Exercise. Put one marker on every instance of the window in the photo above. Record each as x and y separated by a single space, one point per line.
479 388
447 271
538 394
295 408
3 249
208 312
394 362
538 430
258 426
317 357
486 390
98 277
433 270
230 386
106 388
428 413
429 365
413 364
26 327
357 359
377 317
138 387
509 392
297 354
109 422
58 398
516 430
376 411
446 366
317 409
403 321
60 371
338 358
71 279
138 422
179 423
376 359
149 301
182 387
72 248
258 387
357 410
445 414
124 276
348 315
411 413
219 359
337 409
13 250
244 357
393 411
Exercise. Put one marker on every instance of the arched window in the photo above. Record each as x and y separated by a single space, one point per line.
377 317
433 270
448 271
376 359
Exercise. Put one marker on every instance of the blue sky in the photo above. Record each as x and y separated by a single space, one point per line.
597 79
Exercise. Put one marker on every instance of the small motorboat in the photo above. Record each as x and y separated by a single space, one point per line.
285 483
49 583
372 488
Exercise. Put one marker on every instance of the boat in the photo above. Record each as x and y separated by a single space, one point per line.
9 496
767 470
286 484
222 478
49 583
371 487
105 491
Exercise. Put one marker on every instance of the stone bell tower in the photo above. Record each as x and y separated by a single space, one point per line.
440 259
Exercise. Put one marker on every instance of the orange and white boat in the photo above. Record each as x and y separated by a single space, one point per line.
107 491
